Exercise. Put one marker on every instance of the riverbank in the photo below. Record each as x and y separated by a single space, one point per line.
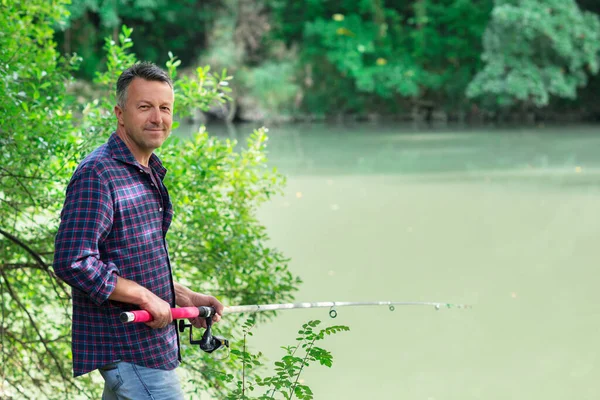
245 109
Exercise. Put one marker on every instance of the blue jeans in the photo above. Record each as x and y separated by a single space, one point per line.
125 381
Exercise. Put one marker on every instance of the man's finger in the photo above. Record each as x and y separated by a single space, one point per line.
198 322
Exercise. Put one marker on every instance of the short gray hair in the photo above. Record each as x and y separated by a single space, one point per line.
145 70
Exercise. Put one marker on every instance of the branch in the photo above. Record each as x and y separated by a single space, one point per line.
12 336
11 175
35 327
17 51
20 211
25 188
70 157
29 342
18 390
11 205
27 347
244 366
35 255
10 266
37 258
36 381
302 366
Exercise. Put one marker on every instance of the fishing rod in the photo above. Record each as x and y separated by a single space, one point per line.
210 343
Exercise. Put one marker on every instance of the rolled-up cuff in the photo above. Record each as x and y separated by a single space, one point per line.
106 287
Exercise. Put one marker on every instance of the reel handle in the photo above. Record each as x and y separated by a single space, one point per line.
177 313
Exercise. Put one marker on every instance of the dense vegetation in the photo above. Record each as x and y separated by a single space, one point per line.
324 57
315 58
217 245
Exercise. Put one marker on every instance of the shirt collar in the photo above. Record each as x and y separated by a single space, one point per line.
120 151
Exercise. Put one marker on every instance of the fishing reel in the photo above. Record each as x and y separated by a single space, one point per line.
209 343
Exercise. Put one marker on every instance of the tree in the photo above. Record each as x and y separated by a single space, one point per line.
37 149
362 56
535 50
179 26
217 244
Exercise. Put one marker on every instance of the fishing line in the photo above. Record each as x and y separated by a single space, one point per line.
210 343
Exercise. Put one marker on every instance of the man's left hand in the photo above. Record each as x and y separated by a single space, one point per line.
184 297
197 300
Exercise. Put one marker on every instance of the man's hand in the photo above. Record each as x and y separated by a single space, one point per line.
185 297
159 309
128 291
198 299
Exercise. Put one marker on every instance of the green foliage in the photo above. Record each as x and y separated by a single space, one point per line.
286 378
35 128
197 91
160 26
446 43
265 71
325 57
218 244
424 50
272 85
216 227
359 50
535 50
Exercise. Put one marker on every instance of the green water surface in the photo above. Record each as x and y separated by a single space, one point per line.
505 220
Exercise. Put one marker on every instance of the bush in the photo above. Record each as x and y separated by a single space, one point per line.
535 50
217 244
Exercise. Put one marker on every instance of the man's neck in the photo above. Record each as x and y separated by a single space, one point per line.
140 156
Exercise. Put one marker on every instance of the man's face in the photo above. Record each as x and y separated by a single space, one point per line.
148 114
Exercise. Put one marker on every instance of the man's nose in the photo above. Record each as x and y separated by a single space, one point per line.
155 116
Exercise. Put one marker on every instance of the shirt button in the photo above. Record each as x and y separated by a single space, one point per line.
152 184
160 209
142 171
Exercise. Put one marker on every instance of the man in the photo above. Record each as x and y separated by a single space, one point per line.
111 248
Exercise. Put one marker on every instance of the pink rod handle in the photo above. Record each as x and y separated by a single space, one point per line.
177 313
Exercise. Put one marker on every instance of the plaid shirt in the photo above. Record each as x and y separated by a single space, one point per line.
114 222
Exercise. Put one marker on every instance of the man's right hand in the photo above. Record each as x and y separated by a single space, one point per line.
128 291
159 309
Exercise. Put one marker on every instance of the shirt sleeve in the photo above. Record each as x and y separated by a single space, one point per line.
86 221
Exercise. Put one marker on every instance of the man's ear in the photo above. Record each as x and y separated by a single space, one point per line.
119 114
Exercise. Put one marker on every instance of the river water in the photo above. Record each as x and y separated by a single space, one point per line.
503 219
